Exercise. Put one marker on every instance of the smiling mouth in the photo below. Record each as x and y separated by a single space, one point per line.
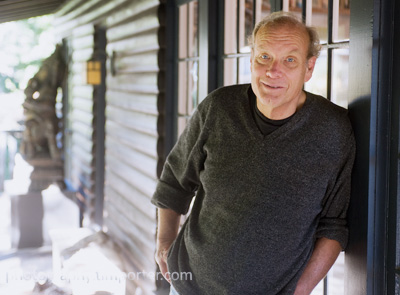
273 87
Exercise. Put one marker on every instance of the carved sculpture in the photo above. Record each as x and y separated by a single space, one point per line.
39 144
41 122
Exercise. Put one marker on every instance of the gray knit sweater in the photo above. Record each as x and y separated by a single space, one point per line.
261 201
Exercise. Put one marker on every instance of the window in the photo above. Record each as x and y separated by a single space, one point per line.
331 18
239 19
188 62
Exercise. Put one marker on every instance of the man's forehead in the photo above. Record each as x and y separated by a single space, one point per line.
292 36
272 29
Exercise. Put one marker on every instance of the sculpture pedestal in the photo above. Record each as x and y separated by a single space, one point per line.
27 220
25 191
46 171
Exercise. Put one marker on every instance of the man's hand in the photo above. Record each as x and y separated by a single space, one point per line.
161 259
168 226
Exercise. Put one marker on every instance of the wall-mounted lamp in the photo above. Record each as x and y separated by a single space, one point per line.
93 72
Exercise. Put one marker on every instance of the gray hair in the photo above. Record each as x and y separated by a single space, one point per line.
281 19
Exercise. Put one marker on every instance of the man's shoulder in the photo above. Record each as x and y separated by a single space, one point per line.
226 97
325 107
329 116
229 91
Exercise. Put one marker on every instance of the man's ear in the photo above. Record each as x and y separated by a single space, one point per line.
310 68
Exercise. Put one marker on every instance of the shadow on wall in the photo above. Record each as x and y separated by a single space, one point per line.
356 252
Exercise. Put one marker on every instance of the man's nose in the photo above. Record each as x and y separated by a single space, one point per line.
274 69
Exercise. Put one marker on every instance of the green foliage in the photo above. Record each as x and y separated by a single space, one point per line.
24 45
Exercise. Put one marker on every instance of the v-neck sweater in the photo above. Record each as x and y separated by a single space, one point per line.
264 124
261 200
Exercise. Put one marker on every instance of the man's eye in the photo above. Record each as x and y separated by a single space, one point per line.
264 56
290 59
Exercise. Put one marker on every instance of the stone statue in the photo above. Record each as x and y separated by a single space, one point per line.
41 122
39 143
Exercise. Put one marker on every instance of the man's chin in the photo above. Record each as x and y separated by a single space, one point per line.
269 100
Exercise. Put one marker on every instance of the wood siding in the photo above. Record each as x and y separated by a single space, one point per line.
131 111
80 118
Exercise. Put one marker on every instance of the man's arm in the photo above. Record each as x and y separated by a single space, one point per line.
323 257
168 226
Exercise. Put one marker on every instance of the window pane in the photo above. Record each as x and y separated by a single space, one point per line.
295 6
182 88
188 70
183 31
230 70
188 24
320 19
230 39
193 48
341 20
263 9
340 76
193 94
319 289
244 70
246 18
318 82
336 277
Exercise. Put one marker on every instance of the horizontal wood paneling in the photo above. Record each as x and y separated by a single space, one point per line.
146 285
141 182
141 162
87 12
83 142
83 91
142 244
140 43
146 123
141 103
82 55
145 62
82 103
83 30
138 141
139 222
142 220
83 129
130 192
132 11
147 23
82 117
131 111
84 157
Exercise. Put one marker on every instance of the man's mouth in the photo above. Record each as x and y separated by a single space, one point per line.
273 86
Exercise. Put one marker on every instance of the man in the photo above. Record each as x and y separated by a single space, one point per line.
270 166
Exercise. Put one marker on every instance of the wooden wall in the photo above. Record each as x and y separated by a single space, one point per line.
131 136
131 131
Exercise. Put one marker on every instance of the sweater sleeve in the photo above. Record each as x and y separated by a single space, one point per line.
180 177
333 223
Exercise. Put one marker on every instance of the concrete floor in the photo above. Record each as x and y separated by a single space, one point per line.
20 269
91 268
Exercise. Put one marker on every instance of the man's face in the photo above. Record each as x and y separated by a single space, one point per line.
279 68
